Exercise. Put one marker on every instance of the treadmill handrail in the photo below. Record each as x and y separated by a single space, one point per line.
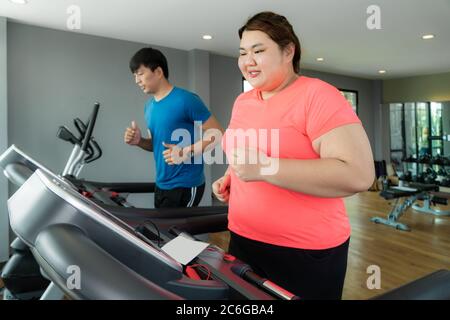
120 187
155 213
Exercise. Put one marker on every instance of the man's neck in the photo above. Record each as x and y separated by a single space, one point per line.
163 91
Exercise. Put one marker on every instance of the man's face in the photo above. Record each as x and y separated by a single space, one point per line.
147 79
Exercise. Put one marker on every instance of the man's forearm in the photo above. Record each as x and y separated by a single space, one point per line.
146 144
200 146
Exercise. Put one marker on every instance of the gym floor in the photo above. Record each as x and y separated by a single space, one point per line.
402 256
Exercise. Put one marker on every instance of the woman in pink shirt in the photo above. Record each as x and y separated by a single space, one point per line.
295 149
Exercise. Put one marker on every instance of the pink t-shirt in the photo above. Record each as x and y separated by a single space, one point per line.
299 114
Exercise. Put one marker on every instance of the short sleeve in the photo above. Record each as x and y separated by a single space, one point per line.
327 109
196 110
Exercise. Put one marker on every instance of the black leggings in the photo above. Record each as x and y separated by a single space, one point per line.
309 274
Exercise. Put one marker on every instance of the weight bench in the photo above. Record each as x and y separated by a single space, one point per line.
433 198
415 191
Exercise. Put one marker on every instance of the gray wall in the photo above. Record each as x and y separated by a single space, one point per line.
380 123
4 225
226 85
55 76
199 82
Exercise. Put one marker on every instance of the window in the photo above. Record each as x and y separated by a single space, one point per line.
423 128
417 132
410 130
396 126
352 97
246 86
436 138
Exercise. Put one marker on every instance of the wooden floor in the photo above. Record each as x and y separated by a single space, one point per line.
402 256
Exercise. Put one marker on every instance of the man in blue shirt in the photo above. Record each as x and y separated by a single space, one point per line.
172 116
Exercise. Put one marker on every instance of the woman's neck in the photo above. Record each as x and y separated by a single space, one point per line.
292 76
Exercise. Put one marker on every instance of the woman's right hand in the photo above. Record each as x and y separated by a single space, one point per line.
221 188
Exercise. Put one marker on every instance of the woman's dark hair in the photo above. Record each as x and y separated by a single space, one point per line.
279 29
150 58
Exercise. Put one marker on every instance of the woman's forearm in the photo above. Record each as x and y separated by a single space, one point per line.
328 178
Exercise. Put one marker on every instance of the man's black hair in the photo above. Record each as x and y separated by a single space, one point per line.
150 58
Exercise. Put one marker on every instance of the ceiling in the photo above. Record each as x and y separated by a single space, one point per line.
334 30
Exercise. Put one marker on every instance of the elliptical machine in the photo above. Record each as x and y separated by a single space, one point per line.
21 275
85 149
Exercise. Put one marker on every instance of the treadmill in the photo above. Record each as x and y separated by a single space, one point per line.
21 274
116 261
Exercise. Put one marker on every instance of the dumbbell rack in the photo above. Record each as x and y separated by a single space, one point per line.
420 164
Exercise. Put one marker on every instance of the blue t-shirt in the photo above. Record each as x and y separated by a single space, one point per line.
171 120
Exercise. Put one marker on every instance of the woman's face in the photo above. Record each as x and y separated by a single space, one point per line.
262 63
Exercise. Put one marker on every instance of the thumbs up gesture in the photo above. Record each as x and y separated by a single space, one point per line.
132 134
